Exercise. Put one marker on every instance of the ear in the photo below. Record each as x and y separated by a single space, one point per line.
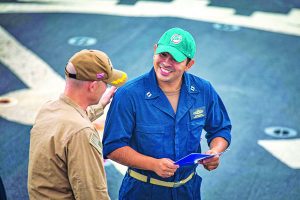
92 86
189 65
155 47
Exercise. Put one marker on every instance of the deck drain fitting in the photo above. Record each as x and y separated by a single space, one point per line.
82 41
7 101
280 132
226 28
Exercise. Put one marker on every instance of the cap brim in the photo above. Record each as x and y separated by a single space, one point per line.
177 55
118 78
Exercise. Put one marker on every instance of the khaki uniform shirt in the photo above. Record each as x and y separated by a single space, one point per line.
65 158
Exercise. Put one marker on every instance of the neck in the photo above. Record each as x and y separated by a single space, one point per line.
170 87
77 99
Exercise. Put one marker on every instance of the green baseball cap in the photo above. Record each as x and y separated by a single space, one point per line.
178 42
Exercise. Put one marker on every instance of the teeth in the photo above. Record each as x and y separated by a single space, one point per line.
165 70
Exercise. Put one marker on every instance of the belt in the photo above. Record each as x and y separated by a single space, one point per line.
154 181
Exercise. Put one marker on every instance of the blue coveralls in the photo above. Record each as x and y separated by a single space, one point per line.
140 116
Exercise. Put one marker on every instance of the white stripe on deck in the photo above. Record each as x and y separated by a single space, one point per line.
285 150
194 9
43 82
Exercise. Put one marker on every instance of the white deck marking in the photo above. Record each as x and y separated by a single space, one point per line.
43 82
195 10
285 150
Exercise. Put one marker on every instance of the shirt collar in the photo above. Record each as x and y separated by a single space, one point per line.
189 83
151 85
152 88
70 102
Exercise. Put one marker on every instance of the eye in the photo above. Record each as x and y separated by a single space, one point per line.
164 54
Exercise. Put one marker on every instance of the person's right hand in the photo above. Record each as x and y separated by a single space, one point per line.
165 167
107 96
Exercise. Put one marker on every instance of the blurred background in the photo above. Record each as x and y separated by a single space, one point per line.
248 50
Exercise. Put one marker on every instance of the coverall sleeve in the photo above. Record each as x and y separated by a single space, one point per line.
85 166
120 122
95 111
217 123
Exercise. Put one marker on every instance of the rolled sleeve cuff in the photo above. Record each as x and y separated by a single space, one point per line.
224 134
95 111
108 148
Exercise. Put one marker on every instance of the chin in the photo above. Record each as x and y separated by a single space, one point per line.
163 78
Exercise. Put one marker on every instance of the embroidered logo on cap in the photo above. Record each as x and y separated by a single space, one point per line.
100 75
176 39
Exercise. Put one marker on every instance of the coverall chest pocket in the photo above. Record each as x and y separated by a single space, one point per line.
195 129
150 140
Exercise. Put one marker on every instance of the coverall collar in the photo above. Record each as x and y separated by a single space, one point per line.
152 88
69 101
186 99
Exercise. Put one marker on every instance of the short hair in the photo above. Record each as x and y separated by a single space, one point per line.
188 60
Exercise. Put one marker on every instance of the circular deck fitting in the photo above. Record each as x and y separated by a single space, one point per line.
7 101
225 27
82 41
280 132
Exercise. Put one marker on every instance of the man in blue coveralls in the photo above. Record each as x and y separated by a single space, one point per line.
158 118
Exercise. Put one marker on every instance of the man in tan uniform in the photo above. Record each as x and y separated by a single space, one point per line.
65 157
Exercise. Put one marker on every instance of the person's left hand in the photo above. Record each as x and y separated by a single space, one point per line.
108 94
210 163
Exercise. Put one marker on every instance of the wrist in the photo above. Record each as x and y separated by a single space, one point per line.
102 105
152 164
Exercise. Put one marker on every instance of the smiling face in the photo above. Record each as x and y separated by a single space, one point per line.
168 71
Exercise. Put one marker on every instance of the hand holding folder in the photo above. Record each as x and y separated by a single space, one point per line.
194 158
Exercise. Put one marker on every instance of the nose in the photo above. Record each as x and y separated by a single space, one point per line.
169 59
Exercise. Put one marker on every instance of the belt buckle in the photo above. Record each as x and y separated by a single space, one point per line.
177 184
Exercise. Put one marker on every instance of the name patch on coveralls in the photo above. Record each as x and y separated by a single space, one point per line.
197 113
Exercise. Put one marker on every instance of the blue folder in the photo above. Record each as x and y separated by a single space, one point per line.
193 158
